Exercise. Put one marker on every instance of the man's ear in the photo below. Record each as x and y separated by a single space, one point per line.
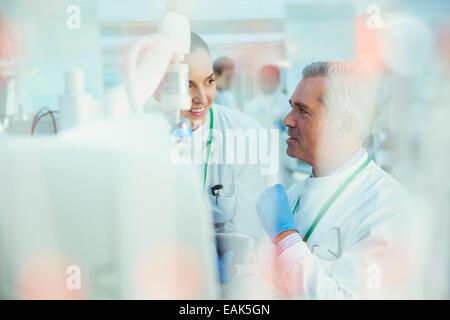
345 124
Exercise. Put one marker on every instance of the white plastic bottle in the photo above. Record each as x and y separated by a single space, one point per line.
76 106
175 93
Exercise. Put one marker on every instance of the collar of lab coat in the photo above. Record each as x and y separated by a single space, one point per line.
337 176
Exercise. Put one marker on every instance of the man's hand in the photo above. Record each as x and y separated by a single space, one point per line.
274 212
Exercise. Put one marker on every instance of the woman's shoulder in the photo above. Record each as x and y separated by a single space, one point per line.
234 119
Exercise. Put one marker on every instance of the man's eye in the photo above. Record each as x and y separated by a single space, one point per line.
211 81
302 111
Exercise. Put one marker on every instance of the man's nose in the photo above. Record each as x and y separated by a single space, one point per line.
288 121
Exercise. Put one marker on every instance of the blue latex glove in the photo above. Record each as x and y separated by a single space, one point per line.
274 211
225 273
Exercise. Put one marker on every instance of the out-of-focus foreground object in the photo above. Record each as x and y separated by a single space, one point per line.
95 213
9 103
43 44
76 106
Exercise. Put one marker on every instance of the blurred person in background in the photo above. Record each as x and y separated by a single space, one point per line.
224 69
269 109
272 101
339 233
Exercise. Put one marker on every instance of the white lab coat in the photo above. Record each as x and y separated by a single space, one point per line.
242 182
225 98
358 249
276 104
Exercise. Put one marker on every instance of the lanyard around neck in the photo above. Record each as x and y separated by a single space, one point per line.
333 198
208 144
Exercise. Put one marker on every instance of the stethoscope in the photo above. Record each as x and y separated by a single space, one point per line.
208 145
215 190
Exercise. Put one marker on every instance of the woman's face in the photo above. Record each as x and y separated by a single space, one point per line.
202 87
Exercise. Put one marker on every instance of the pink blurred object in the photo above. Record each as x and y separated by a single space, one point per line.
44 277
169 271
367 45
443 41
7 43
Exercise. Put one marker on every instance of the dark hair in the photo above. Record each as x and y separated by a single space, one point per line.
270 68
221 64
198 43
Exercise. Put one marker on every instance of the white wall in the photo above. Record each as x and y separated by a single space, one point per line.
153 10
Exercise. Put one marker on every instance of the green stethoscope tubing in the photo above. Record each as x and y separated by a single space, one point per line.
208 145
333 198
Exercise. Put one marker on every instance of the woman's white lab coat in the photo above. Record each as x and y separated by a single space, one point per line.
234 210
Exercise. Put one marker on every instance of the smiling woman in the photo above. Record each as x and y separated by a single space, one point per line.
234 209
202 85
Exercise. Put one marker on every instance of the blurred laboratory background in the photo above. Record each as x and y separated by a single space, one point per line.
285 34
408 40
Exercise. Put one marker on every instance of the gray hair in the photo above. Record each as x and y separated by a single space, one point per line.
350 88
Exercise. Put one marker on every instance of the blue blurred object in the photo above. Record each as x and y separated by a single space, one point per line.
279 124
224 262
181 132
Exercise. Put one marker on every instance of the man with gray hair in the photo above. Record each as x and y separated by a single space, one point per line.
336 233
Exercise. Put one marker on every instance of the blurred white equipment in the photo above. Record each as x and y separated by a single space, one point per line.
175 95
76 106
9 103
159 50
175 90
151 58
94 212
102 202
146 63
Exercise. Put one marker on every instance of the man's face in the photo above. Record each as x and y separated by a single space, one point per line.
226 77
202 87
268 81
309 129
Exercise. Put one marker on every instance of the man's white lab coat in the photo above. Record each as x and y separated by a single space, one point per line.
357 250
